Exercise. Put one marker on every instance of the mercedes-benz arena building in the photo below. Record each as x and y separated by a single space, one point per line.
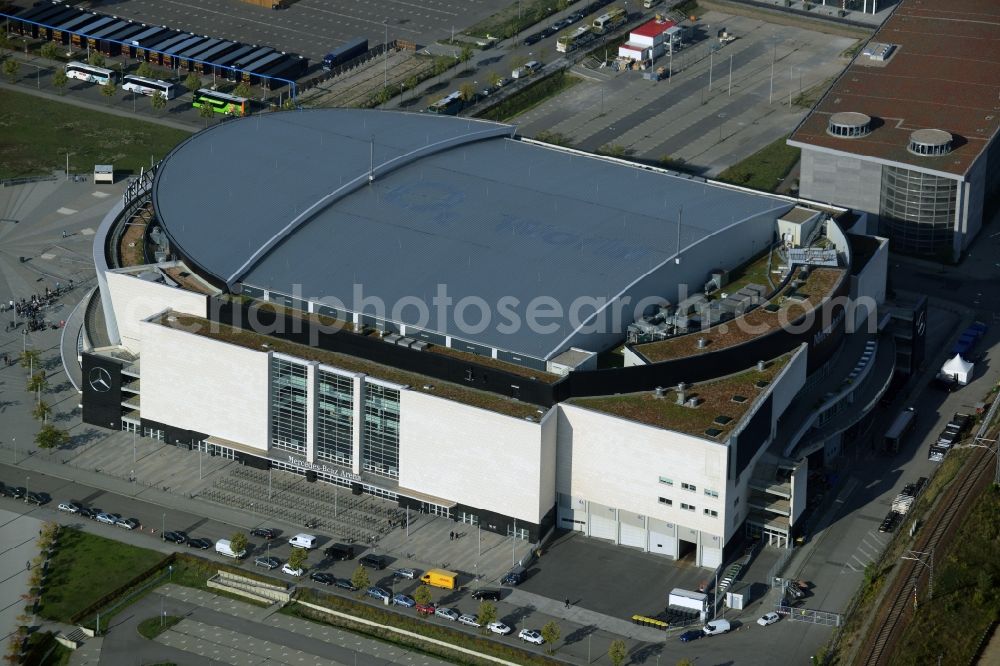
418 307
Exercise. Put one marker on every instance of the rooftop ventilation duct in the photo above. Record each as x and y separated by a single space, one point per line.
930 142
849 125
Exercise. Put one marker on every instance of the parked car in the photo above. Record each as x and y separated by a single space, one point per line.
107 518
533 39
409 574
531 636
175 537
267 562
486 594
264 532
574 17
376 592
6 491
403 600
127 523
86 512
202 544
68 507
768 619
469 620
376 562
36 498
17 492
690 635
323 577
340 551
345 584
426 609
287 569
446 613
498 628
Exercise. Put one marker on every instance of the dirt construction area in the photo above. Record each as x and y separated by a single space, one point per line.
356 87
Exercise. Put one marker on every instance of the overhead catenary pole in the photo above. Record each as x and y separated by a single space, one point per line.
730 75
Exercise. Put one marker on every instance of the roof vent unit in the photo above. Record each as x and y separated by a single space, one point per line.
702 343
693 401
878 51
761 366
681 393
659 392
849 125
930 142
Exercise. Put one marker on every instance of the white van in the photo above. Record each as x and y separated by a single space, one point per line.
307 541
526 70
225 547
648 4
716 627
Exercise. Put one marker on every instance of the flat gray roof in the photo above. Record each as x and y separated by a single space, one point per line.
282 201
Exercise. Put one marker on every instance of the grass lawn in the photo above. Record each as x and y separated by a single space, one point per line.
35 134
85 568
765 169
152 627
947 628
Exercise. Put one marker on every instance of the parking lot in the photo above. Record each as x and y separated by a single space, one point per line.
308 27
698 117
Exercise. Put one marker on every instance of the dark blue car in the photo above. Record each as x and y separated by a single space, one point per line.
691 635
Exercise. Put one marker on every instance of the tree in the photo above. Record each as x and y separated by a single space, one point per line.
422 595
49 50
192 82
51 437
411 82
487 613
617 652
37 382
145 70
206 112
518 61
382 96
59 80
550 634
468 91
109 89
42 410
29 358
239 542
158 101
95 59
685 662
10 69
359 578
494 78
466 54
242 90
288 104
297 558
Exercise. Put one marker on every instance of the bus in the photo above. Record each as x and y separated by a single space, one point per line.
89 73
897 431
220 102
572 40
137 84
449 105
609 20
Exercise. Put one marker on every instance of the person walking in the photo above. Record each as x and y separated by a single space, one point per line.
567 602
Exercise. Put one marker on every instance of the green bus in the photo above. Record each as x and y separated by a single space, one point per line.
220 102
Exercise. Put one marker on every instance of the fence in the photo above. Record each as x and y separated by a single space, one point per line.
809 615
24 181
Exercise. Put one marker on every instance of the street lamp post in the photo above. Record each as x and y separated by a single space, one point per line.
385 83
163 524
27 479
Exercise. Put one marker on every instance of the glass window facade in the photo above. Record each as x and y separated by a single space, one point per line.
917 211
289 405
334 418
380 442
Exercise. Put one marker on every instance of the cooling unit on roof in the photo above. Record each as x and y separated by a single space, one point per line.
878 52
930 142
849 124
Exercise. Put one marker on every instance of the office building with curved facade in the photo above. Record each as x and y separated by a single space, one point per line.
908 133
432 310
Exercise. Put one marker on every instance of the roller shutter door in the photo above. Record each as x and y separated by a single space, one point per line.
662 544
603 528
633 535
711 557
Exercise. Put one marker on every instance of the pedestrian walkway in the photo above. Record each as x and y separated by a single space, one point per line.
233 647
582 616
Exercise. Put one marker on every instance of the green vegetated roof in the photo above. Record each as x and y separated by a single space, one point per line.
716 398
256 341
756 323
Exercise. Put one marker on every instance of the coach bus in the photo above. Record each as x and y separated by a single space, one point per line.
84 72
138 84
609 20
572 40
449 105
220 102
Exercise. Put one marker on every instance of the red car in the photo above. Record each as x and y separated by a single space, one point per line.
426 609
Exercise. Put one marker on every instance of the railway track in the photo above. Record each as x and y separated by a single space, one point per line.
884 632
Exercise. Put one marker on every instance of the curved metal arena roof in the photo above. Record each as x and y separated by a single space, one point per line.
313 203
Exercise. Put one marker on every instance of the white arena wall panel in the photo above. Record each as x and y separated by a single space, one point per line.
134 300
617 463
196 383
476 457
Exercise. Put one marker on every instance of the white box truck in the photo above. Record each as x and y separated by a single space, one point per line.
225 547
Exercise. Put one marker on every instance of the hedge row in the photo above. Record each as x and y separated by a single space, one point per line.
528 96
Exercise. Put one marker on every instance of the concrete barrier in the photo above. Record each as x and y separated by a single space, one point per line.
249 588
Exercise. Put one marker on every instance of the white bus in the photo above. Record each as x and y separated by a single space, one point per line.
133 83
570 41
89 73
609 20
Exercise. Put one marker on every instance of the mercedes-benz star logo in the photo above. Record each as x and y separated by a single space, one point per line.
100 380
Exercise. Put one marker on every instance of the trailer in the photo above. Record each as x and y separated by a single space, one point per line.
897 431
114 43
203 62
344 53
249 72
290 70
223 65
156 52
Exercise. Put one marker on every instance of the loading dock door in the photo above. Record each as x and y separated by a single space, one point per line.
633 535
603 528
662 544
